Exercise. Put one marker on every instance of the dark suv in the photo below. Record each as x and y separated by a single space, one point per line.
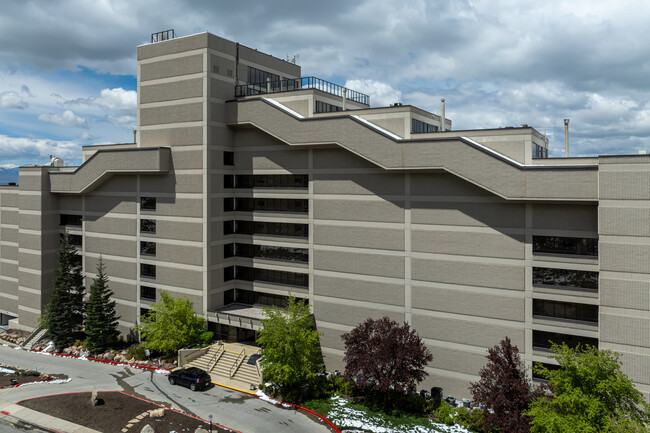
192 377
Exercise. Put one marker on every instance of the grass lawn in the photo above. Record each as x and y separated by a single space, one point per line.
349 415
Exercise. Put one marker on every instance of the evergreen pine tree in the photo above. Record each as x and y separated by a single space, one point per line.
101 321
65 309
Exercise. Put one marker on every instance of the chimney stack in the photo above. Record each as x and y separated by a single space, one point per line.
442 115
566 138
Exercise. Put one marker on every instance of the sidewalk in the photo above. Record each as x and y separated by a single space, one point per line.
40 420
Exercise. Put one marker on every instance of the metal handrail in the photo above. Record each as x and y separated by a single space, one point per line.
259 372
238 361
293 84
217 356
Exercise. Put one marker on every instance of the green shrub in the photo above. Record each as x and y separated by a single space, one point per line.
445 414
137 352
29 373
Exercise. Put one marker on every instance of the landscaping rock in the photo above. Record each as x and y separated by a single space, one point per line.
200 430
157 413
147 429
68 351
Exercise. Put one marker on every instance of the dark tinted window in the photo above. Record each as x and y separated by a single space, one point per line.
229 158
266 181
148 226
76 240
565 245
147 248
258 76
324 107
266 228
268 252
272 276
565 310
565 278
148 203
271 204
254 298
229 273
147 270
544 339
70 220
147 292
419 127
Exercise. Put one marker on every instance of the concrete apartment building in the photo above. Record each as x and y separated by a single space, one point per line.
248 182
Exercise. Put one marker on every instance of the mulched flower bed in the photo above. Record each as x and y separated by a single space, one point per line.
117 410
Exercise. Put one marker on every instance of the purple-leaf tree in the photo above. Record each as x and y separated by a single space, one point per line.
385 356
505 389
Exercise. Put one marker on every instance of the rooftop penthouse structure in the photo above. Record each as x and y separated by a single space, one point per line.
248 182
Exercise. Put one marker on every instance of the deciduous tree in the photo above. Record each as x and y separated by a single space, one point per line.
505 389
290 347
101 319
171 324
65 309
590 394
385 356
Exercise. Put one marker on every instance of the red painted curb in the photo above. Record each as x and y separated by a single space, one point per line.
4 412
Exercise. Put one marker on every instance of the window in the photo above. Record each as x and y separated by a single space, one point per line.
258 76
250 297
419 127
271 204
148 203
147 248
228 158
324 107
148 293
268 252
246 273
228 251
228 204
562 245
551 367
148 270
543 339
265 228
560 278
76 240
145 311
148 226
266 181
539 152
228 273
565 310
70 220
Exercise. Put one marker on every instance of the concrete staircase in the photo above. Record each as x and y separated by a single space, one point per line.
231 364
34 338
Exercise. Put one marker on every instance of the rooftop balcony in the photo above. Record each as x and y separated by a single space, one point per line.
293 84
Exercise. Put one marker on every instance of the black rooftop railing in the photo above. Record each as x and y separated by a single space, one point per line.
163 36
293 84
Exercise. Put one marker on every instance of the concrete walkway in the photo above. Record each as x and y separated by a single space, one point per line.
46 422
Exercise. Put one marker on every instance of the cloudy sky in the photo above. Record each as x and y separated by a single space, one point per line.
67 68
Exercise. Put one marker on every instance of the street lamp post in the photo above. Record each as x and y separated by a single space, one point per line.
210 418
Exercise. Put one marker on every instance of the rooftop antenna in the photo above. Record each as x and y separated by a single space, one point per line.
293 59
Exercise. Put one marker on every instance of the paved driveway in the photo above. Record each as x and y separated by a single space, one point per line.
229 408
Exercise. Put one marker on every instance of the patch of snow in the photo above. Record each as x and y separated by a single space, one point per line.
6 370
56 381
165 372
349 418
49 346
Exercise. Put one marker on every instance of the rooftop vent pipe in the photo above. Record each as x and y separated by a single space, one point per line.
442 115
566 138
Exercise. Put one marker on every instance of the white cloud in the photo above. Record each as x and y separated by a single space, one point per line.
23 150
12 100
67 118
128 122
8 166
381 94
117 100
